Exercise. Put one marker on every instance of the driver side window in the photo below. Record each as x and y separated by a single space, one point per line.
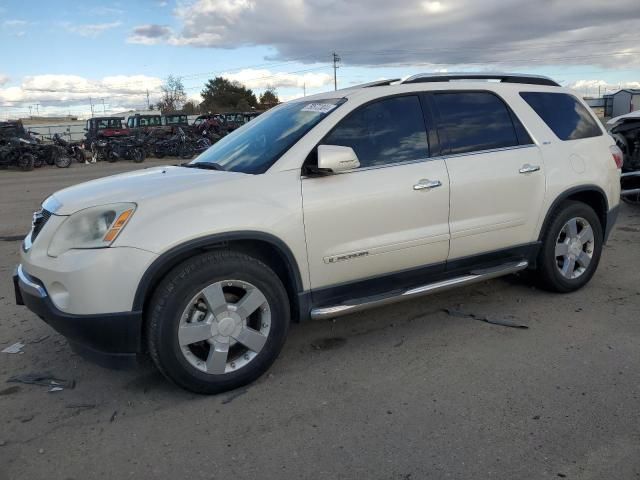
388 131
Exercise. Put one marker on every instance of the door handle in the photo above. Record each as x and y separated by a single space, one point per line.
426 184
526 168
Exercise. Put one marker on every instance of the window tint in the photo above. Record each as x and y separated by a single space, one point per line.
473 121
563 114
384 132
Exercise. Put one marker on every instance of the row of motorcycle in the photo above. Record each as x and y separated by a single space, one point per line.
21 149
153 144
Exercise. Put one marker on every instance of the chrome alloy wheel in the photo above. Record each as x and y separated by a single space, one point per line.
574 248
224 326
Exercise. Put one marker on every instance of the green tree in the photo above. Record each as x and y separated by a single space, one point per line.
222 95
173 95
269 98
190 108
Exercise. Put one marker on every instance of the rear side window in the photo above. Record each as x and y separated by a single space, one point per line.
385 132
563 114
475 121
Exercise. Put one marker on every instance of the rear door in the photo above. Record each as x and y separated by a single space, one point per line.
495 169
381 218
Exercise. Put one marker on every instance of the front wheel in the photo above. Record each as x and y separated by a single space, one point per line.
137 155
62 161
217 322
571 248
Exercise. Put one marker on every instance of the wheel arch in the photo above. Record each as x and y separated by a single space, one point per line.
591 195
267 248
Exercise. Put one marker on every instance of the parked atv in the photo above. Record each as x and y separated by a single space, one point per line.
113 149
72 149
17 152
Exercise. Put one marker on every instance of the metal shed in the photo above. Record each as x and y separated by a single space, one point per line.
625 101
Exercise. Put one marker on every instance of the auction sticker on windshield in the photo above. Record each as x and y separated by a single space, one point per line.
319 107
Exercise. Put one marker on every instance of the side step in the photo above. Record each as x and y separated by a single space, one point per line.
475 276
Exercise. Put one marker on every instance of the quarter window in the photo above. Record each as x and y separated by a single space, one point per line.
563 114
385 132
474 121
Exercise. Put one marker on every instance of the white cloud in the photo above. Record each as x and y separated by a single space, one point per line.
495 33
263 78
69 90
14 23
150 34
91 29
4 79
592 87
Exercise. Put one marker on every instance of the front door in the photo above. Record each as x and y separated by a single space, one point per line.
390 215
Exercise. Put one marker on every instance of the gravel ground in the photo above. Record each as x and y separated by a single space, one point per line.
412 391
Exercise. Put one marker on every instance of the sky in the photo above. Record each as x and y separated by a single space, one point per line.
60 57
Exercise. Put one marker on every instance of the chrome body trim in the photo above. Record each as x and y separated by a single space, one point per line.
366 303
29 285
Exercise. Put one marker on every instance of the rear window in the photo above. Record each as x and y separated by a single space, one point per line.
476 121
563 114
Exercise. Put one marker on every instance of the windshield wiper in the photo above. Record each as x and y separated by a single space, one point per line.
204 166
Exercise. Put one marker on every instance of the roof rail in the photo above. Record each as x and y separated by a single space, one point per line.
502 77
377 83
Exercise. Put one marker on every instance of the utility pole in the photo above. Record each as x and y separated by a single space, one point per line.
147 99
91 103
336 59
37 109
304 89
103 107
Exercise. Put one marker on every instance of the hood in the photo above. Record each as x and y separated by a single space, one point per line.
137 187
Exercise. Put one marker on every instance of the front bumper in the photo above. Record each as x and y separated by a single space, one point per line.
108 339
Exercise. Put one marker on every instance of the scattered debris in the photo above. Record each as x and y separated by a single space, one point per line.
41 451
399 343
234 395
483 318
329 343
41 339
15 348
25 418
45 379
113 416
10 390
81 406
3 443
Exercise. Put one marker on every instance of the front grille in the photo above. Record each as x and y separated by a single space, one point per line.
40 218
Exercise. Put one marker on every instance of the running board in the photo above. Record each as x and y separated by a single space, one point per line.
379 300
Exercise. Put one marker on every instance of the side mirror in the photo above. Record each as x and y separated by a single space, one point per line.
336 159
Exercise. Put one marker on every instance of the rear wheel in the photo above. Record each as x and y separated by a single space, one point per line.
217 322
62 160
571 248
26 162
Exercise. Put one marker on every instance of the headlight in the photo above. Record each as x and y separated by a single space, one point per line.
95 227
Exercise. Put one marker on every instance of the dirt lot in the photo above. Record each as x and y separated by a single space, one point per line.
405 392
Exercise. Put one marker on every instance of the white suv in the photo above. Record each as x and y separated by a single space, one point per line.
324 206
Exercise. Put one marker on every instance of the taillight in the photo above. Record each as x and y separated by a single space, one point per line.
617 155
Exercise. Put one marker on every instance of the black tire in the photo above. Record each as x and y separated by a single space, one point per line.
159 153
112 157
37 162
171 298
26 162
79 156
63 161
548 273
186 151
137 155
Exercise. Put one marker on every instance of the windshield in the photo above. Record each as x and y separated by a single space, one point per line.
257 145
